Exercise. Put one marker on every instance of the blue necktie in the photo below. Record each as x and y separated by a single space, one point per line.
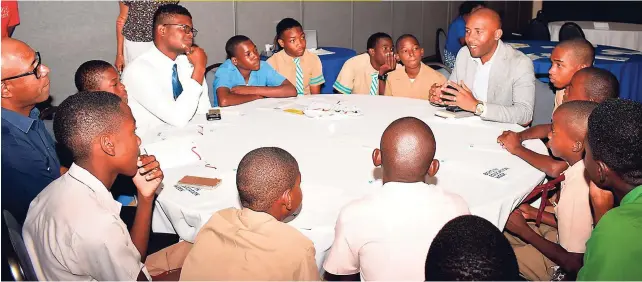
176 84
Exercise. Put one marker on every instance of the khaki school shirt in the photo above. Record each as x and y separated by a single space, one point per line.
399 84
310 65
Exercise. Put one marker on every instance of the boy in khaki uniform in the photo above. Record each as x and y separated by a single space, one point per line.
415 79
366 73
302 68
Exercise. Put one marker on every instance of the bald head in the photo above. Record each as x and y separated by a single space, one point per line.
581 50
487 15
25 81
407 149
13 53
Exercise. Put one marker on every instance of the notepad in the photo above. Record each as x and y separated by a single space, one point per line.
174 152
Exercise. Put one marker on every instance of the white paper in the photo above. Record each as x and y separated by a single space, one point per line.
548 47
601 26
611 58
174 152
533 57
545 55
518 45
321 52
620 52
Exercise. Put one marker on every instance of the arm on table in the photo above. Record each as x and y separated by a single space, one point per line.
546 164
536 132
286 89
227 98
523 92
145 89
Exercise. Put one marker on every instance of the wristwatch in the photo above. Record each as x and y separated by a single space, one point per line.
480 108
383 77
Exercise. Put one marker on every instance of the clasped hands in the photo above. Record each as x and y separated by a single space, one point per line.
460 96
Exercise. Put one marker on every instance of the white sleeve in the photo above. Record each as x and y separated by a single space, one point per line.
142 84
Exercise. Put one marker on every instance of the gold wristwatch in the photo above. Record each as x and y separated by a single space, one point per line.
480 108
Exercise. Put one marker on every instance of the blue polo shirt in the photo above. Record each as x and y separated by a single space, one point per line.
29 160
456 30
228 75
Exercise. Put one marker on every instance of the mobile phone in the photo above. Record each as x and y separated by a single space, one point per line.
454 109
213 114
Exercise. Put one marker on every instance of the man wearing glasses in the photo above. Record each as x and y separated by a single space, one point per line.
166 83
29 160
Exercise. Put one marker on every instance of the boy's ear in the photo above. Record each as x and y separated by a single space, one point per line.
602 171
578 146
434 167
422 52
397 58
498 34
234 60
107 145
287 199
281 42
371 52
376 157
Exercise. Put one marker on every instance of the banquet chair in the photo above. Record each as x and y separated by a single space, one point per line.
570 30
543 191
440 44
537 30
21 269
439 67
209 78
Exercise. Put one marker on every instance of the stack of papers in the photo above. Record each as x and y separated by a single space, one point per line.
518 45
174 152
326 110
615 52
320 52
611 58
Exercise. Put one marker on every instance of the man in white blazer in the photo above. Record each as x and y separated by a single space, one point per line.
490 79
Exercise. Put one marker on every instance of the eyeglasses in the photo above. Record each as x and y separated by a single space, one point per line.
34 71
186 28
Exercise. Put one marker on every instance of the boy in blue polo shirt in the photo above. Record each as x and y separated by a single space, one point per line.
243 77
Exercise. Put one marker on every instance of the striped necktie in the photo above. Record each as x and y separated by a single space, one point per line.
374 86
299 76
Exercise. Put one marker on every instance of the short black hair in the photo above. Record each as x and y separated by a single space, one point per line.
468 6
231 44
164 12
470 248
89 74
582 49
263 175
575 116
600 84
404 36
83 116
286 24
373 39
615 137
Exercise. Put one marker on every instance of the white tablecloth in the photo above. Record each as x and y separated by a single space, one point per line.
623 35
335 161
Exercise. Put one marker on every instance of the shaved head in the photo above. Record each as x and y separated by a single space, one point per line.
574 116
21 88
580 49
487 15
407 149
483 31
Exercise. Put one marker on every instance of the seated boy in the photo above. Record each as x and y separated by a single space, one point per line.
366 73
97 75
614 161
589 84
252 243
414 79
537 249
302 68
567 58
470 248
243 77
386 235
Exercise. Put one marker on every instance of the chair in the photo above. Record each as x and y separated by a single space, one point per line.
543 190
537 30
209 78
570 30
440 44
21 269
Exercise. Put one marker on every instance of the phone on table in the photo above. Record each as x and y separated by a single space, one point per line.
213 114
454 109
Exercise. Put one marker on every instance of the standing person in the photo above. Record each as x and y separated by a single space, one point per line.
134 29
10 17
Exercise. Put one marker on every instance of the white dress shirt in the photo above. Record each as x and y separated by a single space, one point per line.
151 97
73 231
482 77
386 235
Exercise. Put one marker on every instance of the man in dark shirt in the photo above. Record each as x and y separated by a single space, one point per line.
29 160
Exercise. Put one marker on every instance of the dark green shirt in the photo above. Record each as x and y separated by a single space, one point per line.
614 251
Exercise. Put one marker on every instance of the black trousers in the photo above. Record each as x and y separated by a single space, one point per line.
157 241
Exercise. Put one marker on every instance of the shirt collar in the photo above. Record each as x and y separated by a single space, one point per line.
161 58
499 46
102 194
404 185
253 218
21 122
634 196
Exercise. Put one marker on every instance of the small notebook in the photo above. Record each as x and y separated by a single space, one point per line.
449 114
198 182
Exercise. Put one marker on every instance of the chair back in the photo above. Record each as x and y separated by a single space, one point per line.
209 78
441 44
538 30
542 190
570 30
21 269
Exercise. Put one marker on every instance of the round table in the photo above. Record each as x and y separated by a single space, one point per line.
628 73
625 35
334 157
332 64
